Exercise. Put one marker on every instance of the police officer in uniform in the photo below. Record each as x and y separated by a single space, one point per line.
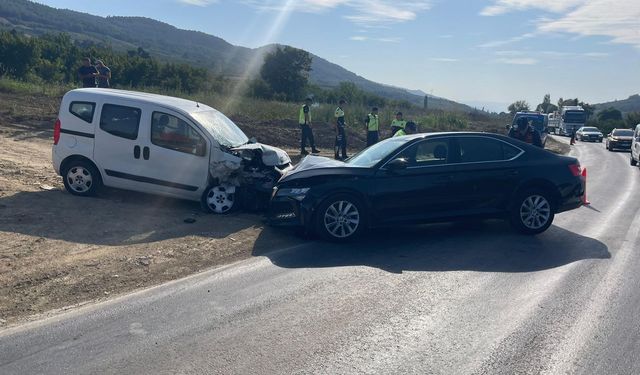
397 123
341 137
373 125
304 120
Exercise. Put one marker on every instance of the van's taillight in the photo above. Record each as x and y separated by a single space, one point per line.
56 132
575 169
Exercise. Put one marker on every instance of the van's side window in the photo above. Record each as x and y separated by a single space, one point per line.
173 133
120 121
83 110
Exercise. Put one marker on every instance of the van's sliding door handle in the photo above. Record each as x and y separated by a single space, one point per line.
136 152
145 153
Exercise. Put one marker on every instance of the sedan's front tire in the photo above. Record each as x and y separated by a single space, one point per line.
340 218
532 211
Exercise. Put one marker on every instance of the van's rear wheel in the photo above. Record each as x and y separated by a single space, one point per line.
634 162
219 199
81 178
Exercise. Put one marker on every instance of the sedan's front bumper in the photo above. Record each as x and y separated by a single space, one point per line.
621 145
286 211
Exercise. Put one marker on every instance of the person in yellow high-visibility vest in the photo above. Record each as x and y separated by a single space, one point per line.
397 124
304 120
372 123
410 128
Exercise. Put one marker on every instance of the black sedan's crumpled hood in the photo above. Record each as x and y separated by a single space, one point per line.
314 162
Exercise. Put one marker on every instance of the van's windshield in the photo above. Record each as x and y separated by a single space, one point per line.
223 130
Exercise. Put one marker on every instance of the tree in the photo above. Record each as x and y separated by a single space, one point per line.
633 119
519 106
546 105
286 70
609 114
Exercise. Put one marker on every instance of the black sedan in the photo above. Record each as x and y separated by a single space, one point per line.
428 178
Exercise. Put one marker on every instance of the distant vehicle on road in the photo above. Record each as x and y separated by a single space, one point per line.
635 146
428 178
538 120
589 134
553 125
572 119
619 139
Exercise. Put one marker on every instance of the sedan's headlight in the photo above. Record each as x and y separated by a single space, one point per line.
293 193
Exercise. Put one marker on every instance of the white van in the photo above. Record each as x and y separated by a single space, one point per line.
158 144
635 146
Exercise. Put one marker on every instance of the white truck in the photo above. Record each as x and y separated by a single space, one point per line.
572 118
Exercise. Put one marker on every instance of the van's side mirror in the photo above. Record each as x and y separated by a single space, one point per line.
508 127
398 164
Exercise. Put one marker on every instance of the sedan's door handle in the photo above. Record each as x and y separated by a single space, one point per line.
136 152
145 153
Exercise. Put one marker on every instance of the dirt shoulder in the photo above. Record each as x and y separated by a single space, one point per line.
58 250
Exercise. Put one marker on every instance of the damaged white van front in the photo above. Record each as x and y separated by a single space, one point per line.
161 145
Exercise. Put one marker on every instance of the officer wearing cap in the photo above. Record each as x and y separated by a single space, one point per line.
397 123
372 125
525 132
341 137
306 133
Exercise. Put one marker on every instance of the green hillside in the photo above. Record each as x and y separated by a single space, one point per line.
631 104
171 44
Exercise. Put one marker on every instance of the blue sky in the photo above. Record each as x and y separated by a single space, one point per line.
482 52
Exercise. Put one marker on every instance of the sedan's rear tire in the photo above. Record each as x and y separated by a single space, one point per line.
340 218
532 211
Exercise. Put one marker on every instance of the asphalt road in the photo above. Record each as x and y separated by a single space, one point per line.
438 299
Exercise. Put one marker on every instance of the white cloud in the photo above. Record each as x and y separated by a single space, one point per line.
363 12
517 61
616 19
200 3
444 59
506 6
362 38
498 43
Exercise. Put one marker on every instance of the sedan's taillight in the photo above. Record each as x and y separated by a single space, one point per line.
56 132
575 169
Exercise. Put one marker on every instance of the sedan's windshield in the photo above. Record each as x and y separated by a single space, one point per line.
623 133
594 130
374 154
223 130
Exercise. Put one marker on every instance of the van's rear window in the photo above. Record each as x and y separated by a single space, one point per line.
83 110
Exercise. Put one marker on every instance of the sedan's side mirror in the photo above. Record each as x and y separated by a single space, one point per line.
398 164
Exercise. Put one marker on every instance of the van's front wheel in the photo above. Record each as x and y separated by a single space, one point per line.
219 199
81 178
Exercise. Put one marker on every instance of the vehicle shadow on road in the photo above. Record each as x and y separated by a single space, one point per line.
484 247
114 217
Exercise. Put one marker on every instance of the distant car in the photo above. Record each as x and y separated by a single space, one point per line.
428 178
589 134
619 139
538 120
635 146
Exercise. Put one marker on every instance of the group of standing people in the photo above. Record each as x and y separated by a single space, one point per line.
399 127
98 75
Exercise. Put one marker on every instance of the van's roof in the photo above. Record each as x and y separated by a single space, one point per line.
188 106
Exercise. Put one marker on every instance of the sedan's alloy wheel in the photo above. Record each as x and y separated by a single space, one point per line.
535 212
341 219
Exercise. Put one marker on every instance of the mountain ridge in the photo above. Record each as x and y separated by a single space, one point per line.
169 43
